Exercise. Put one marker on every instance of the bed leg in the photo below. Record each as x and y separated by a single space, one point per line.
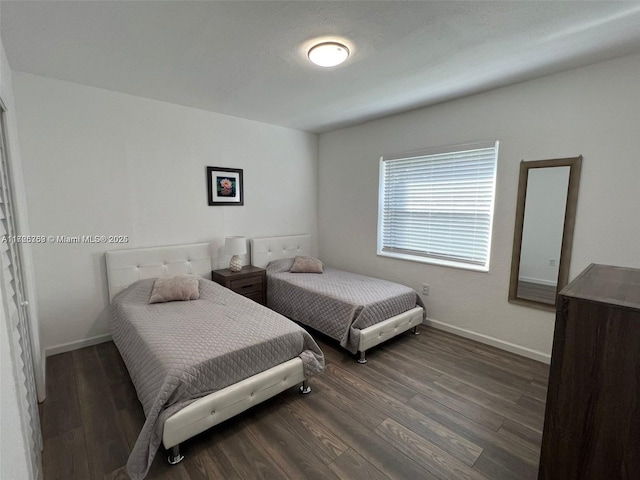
174 455
362 358
304 388
415 330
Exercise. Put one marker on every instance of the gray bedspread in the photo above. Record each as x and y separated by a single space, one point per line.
337 303
177 352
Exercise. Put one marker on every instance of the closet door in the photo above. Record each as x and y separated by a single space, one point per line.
15 310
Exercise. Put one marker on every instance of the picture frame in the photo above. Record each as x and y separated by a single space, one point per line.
225 186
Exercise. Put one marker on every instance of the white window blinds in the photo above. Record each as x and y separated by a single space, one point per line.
437 206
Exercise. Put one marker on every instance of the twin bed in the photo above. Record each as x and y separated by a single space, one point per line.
197 363
358 311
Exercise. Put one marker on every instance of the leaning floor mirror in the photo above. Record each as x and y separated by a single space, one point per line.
543 236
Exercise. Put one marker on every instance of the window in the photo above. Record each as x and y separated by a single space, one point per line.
437 206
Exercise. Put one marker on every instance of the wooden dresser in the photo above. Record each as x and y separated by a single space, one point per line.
592 419
250 282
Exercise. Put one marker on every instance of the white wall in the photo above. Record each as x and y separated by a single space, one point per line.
593 111
14 441
98 162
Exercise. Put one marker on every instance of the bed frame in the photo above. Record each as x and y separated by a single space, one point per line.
125 267
265 250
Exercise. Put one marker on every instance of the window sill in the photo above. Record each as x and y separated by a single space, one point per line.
435 261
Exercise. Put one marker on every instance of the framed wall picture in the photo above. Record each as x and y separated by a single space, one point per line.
225 186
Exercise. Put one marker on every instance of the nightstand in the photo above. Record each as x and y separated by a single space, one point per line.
250 282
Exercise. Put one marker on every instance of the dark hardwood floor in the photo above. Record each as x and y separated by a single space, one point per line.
537 292
433 406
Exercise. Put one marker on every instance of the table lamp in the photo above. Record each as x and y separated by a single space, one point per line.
235 246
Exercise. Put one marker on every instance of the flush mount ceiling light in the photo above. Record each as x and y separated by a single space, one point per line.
328 54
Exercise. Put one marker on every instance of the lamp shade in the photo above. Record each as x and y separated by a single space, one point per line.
235 245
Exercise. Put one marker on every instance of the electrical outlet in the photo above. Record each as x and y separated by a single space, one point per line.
552 262
425 289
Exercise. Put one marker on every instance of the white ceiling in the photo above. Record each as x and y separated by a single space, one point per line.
248 59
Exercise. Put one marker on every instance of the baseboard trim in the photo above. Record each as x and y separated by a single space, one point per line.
494 342
68 347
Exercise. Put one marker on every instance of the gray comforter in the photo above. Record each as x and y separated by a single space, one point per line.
336 303
177 352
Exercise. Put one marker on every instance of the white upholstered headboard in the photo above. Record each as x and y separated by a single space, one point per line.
127 266
265 250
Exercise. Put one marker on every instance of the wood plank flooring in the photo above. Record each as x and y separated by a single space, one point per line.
433 406
537 292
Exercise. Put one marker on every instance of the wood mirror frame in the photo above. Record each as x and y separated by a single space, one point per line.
574 164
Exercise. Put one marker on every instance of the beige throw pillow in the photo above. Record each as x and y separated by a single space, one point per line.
306 265
177 287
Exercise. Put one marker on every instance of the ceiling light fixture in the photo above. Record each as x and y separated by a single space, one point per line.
328 54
